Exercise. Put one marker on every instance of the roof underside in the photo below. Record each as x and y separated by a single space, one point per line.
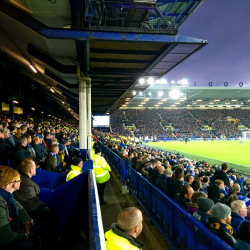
30 34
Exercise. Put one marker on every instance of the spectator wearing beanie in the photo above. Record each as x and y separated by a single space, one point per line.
204 210
193 204
214 193
76 168
243 242
219 223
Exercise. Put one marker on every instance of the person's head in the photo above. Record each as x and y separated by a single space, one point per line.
179 173
47 135
232 198
54 149
205 204
23 129
160 169
23 141
214 193
28 166
97 151
221 212
196 185
130 155
224 167
197 195
77 162
189 178
61 147
237 187
6 133
168 172
154 162
244 231
9 179
130 221
231 190
28 137
220 183
187 191
239 207
231 182
206 179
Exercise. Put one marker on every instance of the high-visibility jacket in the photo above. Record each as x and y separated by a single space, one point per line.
92 148
116 242
74 171
101 169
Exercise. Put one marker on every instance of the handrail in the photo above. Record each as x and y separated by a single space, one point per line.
177 226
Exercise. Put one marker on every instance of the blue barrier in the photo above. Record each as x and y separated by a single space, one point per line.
76 205
177 226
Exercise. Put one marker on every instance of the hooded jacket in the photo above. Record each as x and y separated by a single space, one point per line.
173 187
219 174
19 153
118 240
202 217
182 201
224 235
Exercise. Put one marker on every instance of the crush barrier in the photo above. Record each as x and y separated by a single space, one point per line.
177 226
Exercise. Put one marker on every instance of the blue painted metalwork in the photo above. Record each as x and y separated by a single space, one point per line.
177 226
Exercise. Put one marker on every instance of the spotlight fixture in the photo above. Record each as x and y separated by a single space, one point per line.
149 93
163 81
52 90
157 105
234 100
33 108
157 81
175 94
33 69
160 93
141 81
150 80
217 100
184 81
15 101
134 92
124 105
62 102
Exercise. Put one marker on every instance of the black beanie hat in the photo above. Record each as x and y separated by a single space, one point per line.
76 161
244 231
97 150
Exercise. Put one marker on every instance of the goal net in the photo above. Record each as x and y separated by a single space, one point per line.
246 135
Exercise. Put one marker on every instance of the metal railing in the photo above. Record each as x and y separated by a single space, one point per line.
133 16
177 226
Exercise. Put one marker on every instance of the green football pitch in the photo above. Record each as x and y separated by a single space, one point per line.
214 152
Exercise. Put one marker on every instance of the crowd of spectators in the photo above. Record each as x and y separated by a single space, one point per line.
215 195
186 123
25 146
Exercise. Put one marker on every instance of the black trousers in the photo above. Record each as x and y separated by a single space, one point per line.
101 188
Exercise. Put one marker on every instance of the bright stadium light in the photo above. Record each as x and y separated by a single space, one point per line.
172 81
175 93
160 102
150 80
163 81
184 81
194 102
179 81
177 103
149 93
33 69
157 105
140 105
160 93
157 81
173 105
141 81
234 100
220 106
134 92
211 103
140 93
199 100
217 100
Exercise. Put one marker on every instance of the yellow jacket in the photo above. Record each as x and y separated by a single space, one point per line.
101 169
74 171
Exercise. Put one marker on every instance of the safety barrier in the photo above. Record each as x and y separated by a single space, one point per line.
177 226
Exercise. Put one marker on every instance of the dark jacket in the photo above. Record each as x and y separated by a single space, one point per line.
236 221
202 217
228 238
7 236
241 245
155 175
28 196
3 152
182 201
50 164
173 187
219 174
18 154
161 182
37 150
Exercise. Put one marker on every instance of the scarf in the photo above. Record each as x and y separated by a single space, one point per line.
224 227
58 165
14 222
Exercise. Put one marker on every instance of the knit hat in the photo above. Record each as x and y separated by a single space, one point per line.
220 211
244 231
39 136
76 161
61 147
97 150
240 181
205 204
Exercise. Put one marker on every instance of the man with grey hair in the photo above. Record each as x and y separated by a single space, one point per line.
19 153
239 212
123 234
162 181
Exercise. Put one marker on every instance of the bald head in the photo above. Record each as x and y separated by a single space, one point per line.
130 221
160 169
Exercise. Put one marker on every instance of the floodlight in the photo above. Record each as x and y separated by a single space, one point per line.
163 81
217 100
160 102
234 100
173 105
184 81
52 90
134 92
140 105
182 94
149 93
157 105
211 103
175 93
140 93
141 81
177 103
15 101
33 69
179 81
199 100
150 80
172 82
157 81
160 93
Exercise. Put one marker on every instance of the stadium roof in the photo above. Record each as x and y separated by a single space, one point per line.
51 38
158 96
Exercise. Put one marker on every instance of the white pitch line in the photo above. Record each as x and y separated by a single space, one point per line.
213 158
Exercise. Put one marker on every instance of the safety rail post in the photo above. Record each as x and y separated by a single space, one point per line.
137 189
124 172
172 224
150 204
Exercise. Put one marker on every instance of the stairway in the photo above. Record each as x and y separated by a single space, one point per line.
161 120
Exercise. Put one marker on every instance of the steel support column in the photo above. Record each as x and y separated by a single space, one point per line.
89 134
11 109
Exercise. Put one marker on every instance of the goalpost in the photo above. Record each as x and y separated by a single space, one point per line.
246 135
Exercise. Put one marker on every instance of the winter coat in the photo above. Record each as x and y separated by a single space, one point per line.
202 217
19 153
219 174
182 201
192 208
241 245
3 152
173 187
161 182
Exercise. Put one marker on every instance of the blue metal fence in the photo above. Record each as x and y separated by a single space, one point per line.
176 225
